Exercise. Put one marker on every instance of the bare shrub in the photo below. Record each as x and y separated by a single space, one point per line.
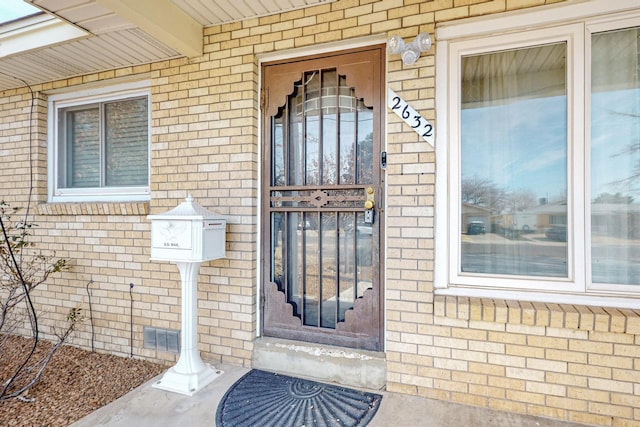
22 269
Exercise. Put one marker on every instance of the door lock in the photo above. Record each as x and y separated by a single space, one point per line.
368 206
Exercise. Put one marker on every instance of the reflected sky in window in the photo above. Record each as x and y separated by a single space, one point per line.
615 143
518 145
522 145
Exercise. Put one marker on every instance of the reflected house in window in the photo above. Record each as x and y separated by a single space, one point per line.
474 214
615 220
548 215
537 219
615 232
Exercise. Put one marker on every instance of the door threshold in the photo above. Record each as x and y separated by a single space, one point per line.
341 365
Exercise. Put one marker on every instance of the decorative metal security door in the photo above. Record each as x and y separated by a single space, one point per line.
321 248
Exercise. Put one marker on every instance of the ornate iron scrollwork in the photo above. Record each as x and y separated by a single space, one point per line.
317 198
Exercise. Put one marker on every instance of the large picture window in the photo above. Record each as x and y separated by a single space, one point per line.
100 146
513 156
542 176
615 157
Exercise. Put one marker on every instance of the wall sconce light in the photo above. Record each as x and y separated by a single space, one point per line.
410 52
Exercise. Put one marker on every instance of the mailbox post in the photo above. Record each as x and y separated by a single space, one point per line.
188 235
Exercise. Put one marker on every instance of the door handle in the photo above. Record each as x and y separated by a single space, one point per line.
368 206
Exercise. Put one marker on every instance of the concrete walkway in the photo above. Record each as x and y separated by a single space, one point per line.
150 407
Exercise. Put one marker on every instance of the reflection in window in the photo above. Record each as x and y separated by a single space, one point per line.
615 157
513 135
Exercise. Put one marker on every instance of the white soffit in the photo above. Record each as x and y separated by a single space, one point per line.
81 57
162 20
214 12
35 32
122 33
87 14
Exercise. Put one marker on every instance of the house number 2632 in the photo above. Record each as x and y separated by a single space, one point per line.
410 116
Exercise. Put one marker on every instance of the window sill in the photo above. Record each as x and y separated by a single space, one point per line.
450 310
94 208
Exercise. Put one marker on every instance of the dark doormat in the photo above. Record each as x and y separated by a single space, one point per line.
261 399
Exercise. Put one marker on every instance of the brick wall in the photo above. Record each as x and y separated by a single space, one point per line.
511 356
567 362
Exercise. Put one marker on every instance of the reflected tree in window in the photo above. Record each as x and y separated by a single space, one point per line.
483 192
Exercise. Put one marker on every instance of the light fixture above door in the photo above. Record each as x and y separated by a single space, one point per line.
410 52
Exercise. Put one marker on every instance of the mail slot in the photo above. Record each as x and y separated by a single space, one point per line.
188 232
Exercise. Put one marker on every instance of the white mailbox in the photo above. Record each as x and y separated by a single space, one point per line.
188 235
188 232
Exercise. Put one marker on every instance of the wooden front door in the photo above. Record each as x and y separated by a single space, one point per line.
322 127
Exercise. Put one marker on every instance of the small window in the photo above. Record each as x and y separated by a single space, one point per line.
100 147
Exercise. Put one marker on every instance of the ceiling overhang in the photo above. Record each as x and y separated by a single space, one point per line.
36 32
104 35
162 20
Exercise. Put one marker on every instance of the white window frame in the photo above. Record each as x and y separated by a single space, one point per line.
57 102
572 23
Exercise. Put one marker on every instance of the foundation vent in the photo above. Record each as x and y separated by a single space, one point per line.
162 339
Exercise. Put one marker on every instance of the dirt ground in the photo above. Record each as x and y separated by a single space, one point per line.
75 383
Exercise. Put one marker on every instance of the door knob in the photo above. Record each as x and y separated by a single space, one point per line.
368 206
